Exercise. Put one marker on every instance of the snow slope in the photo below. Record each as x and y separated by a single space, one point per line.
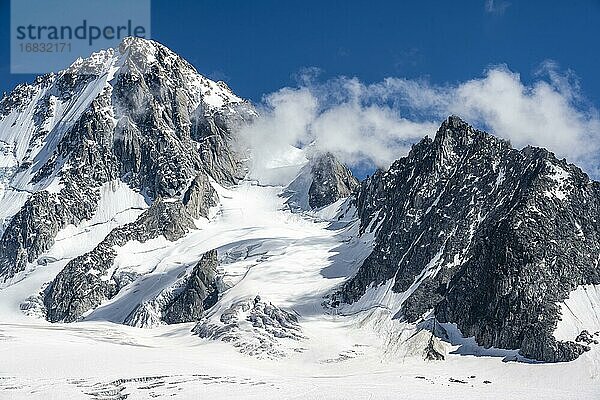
581 311
30 134
118 205
289 259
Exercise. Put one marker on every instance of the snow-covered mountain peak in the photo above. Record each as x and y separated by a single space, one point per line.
98 63
147 57
138 113
55 101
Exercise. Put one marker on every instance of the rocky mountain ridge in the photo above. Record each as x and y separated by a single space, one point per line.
482 235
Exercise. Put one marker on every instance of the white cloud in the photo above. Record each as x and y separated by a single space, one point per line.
377 123
496 6
550 112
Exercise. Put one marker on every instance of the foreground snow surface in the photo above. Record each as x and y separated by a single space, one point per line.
291 260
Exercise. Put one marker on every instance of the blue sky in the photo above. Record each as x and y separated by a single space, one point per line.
523 70
258 46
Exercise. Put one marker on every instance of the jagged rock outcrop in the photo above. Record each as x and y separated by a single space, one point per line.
332 181
186 300
199 294
587 338
213 132
490 237
253 326
322 181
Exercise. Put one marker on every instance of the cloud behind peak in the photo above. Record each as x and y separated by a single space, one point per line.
376 123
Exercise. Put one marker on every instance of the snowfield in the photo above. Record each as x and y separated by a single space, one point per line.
289 259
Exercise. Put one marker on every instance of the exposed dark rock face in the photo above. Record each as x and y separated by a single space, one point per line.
332 181
32 230
432 352
87 280
200 196
199 294
490 237
24 239
322 181
216 144
185 300
587 338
